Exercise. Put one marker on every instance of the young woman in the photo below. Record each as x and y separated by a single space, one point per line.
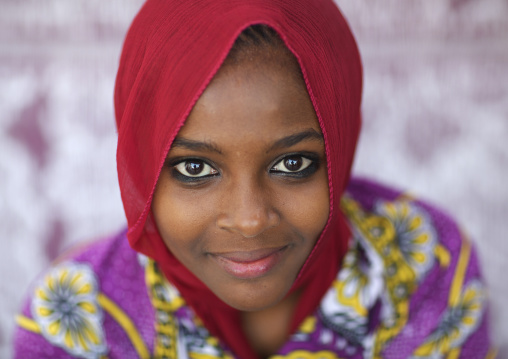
237 124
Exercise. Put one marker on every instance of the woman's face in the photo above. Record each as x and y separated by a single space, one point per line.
243 196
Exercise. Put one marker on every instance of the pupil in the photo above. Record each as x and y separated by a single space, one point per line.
194 168
293 163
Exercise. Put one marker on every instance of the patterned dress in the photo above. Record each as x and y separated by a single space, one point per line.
409 287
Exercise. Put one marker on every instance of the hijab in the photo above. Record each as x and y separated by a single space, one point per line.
171 52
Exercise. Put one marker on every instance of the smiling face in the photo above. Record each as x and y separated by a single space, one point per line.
243 196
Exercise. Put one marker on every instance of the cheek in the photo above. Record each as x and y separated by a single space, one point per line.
181 220
309 208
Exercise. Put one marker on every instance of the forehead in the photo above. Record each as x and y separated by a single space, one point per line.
262 95
259 52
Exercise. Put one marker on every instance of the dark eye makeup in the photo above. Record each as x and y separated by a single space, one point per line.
195 170
191 170
296 165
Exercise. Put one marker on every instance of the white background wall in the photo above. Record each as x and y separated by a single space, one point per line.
435 123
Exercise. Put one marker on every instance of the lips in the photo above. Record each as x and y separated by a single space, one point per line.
249 264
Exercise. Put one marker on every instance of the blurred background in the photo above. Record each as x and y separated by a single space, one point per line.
435 123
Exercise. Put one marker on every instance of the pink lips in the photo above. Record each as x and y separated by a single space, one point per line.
249 264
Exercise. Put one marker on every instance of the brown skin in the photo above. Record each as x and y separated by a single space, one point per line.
245 197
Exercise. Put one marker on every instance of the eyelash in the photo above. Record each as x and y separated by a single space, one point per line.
310 161
189 178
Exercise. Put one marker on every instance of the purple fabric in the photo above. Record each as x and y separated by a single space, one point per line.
122 280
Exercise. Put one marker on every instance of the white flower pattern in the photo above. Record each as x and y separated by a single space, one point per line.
457 323
66 310
415 235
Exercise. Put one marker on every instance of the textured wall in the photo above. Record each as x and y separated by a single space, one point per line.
435 123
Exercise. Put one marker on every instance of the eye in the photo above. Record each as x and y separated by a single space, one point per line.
195 168
292 164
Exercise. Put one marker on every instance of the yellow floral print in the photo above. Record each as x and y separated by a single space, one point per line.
65 308
457 323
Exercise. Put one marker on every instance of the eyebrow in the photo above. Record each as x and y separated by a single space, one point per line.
292 140
284 142
195 145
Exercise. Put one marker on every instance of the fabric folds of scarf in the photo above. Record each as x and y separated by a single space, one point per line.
171 52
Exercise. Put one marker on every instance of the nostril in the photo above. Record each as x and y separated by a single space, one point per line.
248 224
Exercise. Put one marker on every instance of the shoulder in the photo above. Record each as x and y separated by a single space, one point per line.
412 264
425 236
91 302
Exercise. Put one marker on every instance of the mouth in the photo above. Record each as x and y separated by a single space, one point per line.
249 264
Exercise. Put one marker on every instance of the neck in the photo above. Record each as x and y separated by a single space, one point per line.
268 329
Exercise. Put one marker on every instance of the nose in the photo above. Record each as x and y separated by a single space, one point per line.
247 210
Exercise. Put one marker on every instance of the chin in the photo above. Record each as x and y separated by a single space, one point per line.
253 298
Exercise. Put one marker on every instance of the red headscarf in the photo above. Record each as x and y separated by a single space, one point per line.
171 52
